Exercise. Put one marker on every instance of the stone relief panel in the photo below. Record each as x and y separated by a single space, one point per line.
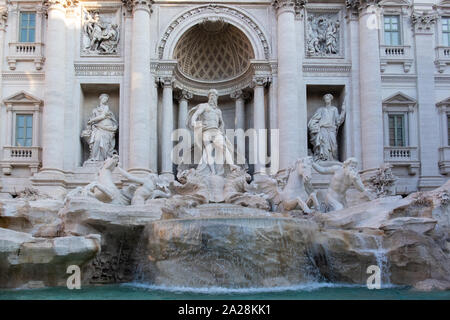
323 34
100 33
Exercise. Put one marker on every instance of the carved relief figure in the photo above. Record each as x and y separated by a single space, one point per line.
216 148
102 37
100 131
323 127
345 177
322 34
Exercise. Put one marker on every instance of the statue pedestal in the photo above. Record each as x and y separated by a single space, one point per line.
92 164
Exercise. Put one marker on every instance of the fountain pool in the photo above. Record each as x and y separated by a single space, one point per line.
137 291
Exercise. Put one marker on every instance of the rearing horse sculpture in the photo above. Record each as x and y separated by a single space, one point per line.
297 192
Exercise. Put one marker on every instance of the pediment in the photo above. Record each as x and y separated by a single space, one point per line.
444 102
22 97
399 98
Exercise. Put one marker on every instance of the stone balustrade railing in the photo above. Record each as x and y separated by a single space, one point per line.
20 156
396 54
395 154
26 51
442 58
395 51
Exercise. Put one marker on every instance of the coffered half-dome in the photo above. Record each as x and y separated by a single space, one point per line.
213 51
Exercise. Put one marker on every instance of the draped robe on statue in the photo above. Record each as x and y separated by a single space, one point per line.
323 127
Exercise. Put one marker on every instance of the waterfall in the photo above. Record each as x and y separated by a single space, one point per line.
380 256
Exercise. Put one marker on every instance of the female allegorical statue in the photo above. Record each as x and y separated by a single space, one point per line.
100 131
323 127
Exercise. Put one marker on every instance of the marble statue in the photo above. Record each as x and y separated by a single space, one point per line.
322 36
207 118
344 177
101 37
323 127
150 187
298 190
382 183
103 187
100 131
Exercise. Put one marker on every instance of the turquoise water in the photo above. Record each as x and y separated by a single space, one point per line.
147 292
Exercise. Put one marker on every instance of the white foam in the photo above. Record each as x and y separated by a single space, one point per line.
222 290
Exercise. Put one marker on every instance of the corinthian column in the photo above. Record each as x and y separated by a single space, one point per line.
259 123
370 83
429 130
3 19
143 129
291 116
167 127
55 82
183 98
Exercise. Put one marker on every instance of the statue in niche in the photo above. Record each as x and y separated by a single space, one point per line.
216 148
323 127
102 37
344 177
100 131
322 35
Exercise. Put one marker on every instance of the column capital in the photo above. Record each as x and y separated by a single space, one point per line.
260 81
59 4
165 81
361 4
134 5
423 22
239 94
294 6
183 95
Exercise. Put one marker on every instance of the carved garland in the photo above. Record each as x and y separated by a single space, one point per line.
218 9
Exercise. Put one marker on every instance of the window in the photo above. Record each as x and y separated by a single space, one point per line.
446 31
397 130
24 130
391 30
448 129
27 27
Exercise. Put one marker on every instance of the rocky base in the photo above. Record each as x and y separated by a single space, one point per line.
226 244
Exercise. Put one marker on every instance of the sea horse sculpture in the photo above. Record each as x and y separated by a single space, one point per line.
298 191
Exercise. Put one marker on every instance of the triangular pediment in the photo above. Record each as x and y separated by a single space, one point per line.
444 102
399 98
22 97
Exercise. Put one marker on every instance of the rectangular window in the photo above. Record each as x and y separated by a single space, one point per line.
397 130
392 30
446 31
24 130
27 27
448 129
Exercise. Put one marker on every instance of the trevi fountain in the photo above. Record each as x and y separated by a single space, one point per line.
119 175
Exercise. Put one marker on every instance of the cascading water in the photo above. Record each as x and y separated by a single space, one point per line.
242 251
379 254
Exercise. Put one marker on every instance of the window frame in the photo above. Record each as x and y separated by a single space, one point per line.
405 138
445 32
399 31
28 28
26 115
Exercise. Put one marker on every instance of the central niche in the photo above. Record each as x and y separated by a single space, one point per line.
213 51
